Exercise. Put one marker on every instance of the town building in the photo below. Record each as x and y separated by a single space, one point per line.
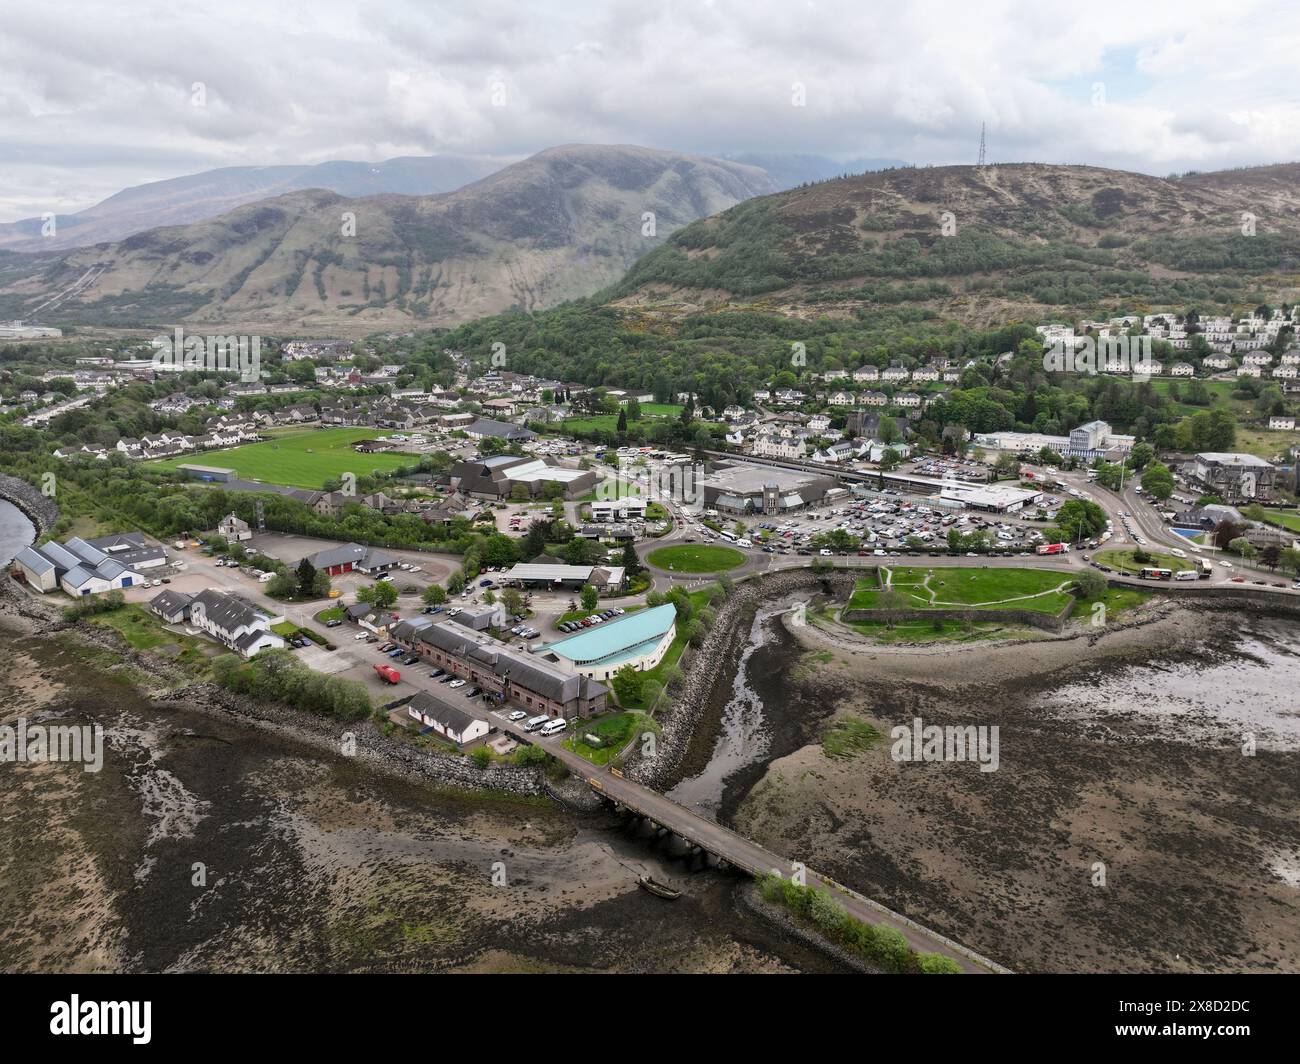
629 508
499 430
1231 476
75 567
548 576
505 674
639 640
498 477
450 722
749 488
230 619
352 557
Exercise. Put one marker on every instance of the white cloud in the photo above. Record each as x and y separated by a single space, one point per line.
95 96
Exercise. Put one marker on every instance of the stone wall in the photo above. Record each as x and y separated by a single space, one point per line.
41 509
1051 622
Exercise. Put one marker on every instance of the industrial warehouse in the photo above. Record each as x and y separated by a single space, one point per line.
499 477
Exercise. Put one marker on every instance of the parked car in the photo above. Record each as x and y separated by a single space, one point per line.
518 714
456 683
333 623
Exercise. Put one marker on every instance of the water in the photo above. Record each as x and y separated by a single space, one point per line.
763 718
16 532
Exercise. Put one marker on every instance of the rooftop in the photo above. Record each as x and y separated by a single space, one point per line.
614 641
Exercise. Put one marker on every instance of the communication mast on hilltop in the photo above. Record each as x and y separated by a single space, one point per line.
981 162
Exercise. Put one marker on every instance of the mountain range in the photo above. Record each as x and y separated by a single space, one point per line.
557 225
198 197
672 234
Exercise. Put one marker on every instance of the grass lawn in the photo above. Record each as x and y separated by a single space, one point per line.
303 460
847 737
1122 561
143 631
334 613
1030 589
613 733
947 632
605 491
1265 443
1284 519
609 422
695 558
139 628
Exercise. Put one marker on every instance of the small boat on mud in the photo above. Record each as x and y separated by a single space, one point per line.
658 889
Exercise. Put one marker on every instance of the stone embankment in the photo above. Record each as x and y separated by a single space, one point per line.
690 697
41 509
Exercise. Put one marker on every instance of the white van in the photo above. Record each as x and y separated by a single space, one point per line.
535 723
555 727
1185 574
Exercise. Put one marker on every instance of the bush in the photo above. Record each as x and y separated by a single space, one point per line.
481 756
881 946
87 607
937 964
1089 584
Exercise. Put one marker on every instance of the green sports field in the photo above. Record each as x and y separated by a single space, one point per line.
302 460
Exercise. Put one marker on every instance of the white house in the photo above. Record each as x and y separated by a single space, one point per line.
234 621
448 721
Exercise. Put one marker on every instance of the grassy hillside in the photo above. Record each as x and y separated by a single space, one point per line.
982 245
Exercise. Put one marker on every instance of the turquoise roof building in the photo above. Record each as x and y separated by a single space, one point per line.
639 639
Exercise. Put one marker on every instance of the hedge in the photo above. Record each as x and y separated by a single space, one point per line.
881 946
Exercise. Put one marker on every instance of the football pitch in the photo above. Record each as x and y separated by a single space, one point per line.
302 460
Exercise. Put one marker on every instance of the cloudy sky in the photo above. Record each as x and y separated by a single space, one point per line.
97 96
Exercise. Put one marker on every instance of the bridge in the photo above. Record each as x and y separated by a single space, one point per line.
723 843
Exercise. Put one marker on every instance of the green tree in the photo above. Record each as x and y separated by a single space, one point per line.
434 595
513 601
1158 481
306 578
629 685
1089 584
589 597
382 594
